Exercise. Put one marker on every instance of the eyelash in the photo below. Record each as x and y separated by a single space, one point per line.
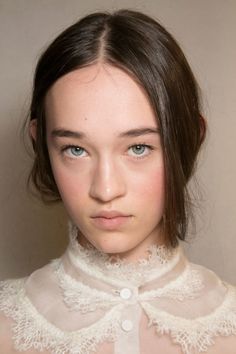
67 147
149 147
138 157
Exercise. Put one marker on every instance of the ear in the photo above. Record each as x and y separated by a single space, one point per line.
33 129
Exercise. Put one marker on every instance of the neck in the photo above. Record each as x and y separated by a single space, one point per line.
132 255
137 268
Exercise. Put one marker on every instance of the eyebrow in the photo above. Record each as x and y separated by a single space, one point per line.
65 133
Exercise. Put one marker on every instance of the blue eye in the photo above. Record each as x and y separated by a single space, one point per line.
77 151
74 151
140 150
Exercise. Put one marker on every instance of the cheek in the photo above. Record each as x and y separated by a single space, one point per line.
150 186
151 180
72 187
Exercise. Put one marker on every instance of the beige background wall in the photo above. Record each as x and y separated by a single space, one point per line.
30 233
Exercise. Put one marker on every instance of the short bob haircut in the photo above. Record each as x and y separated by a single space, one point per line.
140 46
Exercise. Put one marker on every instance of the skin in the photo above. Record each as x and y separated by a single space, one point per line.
107 168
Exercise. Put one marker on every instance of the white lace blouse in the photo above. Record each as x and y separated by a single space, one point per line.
86 302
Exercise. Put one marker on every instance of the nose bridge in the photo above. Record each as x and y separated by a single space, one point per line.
107 180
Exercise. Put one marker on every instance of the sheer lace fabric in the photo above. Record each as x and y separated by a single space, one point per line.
86 302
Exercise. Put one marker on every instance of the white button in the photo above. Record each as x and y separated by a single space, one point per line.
125 293
127 325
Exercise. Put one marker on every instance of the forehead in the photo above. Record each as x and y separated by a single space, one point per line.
95 97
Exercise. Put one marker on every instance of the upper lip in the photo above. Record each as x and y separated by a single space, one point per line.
108 214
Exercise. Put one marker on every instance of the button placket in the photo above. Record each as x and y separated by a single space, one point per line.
127 325
125 293
128 340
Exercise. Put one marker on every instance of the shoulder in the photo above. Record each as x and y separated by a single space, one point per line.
14 292
9 292
199 311
214 296
7 289
16 308
216 313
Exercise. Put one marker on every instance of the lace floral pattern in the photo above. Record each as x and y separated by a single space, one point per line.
31 330
186 286
159 261
79 296
197 334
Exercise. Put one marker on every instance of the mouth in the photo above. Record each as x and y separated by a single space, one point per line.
109 214
110 220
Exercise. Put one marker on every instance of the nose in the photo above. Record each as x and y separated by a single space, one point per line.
108 181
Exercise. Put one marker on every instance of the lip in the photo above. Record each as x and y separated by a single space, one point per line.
110 220
108 214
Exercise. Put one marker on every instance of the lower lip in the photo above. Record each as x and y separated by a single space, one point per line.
110 224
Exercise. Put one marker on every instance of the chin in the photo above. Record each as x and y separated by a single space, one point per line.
113 246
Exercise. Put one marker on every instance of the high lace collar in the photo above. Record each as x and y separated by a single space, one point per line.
64 307
112 269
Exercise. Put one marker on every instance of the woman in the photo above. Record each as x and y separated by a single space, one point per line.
116 128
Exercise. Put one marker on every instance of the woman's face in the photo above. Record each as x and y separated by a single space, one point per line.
106 158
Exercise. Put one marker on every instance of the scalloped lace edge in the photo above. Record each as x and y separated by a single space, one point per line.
78 296
196 334
187 285
32 330
106 268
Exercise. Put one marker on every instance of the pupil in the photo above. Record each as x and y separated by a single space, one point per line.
76 150
139 149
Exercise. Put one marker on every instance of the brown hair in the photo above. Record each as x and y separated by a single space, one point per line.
140 46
